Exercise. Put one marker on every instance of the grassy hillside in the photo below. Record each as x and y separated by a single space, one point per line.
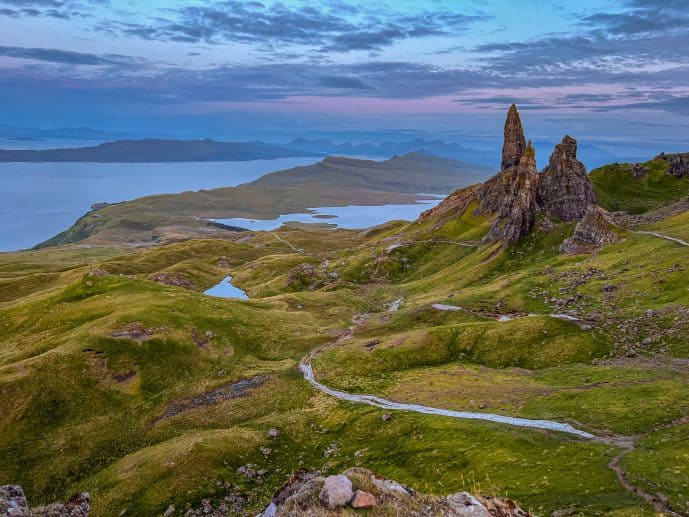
148 395
617 188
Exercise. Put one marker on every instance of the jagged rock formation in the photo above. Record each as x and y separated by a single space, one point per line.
597 228
512 194
564 189
514 144
678 164
309 493
518 193
13 503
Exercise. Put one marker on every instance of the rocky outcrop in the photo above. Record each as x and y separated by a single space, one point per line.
172 278
597 228
514 144
512 195
516 195
678 164
564 189
309 493
13 503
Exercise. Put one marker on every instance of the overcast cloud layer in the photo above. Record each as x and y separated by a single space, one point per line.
93 62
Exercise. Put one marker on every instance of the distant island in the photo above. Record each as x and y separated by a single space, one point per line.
157 150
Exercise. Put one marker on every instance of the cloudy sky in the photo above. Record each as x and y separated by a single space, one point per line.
615 70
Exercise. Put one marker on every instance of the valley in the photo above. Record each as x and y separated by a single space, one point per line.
557 327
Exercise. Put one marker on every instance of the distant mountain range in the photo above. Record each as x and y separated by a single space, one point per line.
165 150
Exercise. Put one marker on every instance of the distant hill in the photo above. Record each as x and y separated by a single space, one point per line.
155 150
436 147
412 173
334 181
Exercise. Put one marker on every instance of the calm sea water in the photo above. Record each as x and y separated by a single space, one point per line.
342 216
39 200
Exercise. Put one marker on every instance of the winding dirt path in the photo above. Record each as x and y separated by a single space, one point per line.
372 400
661 236
658 501
298 250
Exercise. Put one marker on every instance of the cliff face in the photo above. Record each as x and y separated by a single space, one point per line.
512 194
564 189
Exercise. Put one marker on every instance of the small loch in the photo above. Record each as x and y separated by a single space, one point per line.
225 289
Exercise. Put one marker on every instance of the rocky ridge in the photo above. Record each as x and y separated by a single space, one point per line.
310 493
678 164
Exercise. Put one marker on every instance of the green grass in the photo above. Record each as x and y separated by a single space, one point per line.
617 189
68 424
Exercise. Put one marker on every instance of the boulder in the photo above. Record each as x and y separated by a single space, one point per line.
363 500
337 491
564 189
597 228
463 504
13 501
308 493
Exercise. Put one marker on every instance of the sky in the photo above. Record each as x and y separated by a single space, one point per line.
606 71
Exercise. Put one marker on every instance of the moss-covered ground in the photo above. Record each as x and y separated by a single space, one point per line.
86 406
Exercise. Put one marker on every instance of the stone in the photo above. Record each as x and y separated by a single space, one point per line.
512 195
337 491
248 471
363 500
266 451
387 486
463 504
678 164
173 279
273 433
514 143
170 510
564 188
270 511
98 272
385 417
596 229
13 501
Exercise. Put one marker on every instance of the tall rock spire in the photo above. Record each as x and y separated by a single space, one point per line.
564 189
515 144
511 195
